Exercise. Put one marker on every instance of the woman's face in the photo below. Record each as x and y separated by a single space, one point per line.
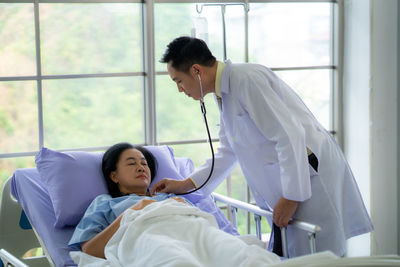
133 174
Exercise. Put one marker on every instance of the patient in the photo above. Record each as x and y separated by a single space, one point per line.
180 228
128 172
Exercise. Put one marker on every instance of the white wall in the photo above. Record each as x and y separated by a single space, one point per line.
384 102
356 104
370 87
398 127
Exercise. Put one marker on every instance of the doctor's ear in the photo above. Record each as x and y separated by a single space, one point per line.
196 71
196 68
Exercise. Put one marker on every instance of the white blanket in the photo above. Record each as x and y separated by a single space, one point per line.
170 233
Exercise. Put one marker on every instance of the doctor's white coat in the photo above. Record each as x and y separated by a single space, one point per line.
266 127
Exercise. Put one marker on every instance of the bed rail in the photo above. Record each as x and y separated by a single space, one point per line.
235 204
16 233
10 260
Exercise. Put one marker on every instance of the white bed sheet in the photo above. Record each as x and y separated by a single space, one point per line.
174 234
170 233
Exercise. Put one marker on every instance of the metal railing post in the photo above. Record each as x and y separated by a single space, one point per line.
284 242
311 238
234 216
257 219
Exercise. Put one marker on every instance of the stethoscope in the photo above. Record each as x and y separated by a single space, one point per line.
203 110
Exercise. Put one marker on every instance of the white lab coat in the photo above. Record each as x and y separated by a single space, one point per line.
266 127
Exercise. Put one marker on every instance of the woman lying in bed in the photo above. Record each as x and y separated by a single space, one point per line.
170 230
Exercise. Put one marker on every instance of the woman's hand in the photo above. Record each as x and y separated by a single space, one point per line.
96 245
283 211
167 185
142 203
179 199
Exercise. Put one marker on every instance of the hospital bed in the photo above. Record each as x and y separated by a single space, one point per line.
29 217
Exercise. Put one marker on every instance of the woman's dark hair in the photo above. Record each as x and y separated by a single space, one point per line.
185 51
111 158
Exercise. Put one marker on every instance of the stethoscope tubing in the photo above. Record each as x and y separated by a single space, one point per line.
203 110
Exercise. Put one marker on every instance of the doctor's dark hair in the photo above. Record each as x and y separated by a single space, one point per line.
110 161
185 51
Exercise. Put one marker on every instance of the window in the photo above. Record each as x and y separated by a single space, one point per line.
81 82
73 86
295 40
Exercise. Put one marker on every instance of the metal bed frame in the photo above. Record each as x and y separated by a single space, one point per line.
234 204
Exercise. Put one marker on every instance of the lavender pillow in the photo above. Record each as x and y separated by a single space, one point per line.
74 179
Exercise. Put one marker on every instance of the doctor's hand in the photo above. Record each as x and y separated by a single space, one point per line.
283 211
167 185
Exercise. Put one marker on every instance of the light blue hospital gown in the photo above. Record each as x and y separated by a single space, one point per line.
103 211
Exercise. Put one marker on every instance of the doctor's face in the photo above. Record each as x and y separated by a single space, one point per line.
187 83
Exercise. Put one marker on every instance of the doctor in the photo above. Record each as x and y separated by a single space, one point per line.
291 163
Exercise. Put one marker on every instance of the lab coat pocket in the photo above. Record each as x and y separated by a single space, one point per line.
244 131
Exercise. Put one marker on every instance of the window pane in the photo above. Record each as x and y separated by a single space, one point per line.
235 34
92 112
199 153
18 117
209 27
174 20
179 117
8 166
170 21
17 40
290 34
91 38
313 86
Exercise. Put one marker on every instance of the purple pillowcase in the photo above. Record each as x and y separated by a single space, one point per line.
74 179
